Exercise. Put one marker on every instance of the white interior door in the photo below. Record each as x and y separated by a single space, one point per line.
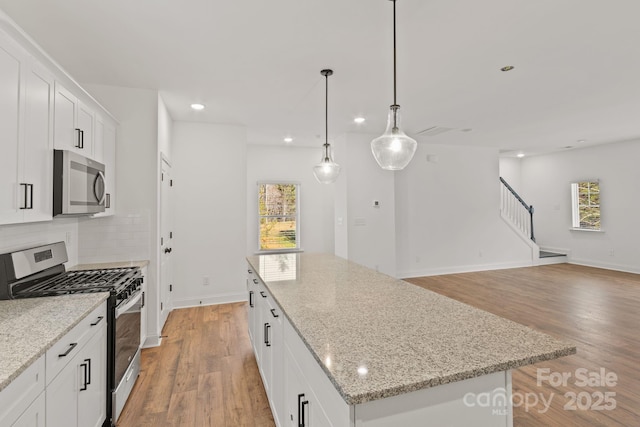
166 243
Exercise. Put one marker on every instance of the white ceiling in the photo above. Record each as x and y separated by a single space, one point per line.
257 63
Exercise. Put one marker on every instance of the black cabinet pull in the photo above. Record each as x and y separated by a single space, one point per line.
26 196
97 321
81 139
89 367
267 340
255 281
300 411
143 302
250 298
108 206
84 368
273 313
249 271
71 347
263 294
79 136
31 197
304 405
264 333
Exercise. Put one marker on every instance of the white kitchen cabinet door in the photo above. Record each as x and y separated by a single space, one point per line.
66 135
25 126
11 87
37 155
276 370
85 122
104 151
62 396
34 416
73 123
92 408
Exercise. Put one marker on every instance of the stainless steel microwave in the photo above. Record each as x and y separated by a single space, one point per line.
78 184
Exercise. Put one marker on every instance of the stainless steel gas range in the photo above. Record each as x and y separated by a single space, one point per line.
40 272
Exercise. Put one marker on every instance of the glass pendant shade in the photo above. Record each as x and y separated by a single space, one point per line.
393 150
327 171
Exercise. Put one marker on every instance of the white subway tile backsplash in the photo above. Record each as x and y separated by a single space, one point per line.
123 237
21 236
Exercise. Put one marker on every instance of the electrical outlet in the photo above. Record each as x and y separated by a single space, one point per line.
205 281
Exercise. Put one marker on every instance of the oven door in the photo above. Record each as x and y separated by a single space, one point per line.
127 339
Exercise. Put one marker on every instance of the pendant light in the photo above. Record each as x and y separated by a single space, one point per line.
393 150
327 171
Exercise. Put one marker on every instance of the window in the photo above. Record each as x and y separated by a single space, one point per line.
585 196
279 214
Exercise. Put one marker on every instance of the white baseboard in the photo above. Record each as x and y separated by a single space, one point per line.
210 300
154 341
605 265
463 269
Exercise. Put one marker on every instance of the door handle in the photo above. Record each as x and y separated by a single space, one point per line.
250 298
301 410
88 378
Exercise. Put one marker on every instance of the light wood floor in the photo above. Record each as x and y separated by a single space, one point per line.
598 310
204 374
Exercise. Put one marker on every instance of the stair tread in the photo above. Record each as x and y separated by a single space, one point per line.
547 254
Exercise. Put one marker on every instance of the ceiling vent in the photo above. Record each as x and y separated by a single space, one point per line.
433 131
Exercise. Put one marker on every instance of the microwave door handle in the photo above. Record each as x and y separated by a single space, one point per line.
102 196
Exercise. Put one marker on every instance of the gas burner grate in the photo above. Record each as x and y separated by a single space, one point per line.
71 282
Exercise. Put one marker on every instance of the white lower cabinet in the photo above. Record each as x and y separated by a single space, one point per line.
77 395
22 402
34 416
282 358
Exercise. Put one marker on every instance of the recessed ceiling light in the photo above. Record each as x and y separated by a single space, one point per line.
507 68
520 155
288 139
582 141
197 107
359 120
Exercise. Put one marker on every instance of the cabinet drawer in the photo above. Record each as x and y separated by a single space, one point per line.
21 392
69 345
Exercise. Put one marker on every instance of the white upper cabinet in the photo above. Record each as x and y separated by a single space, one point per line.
73 124
104 151
26 129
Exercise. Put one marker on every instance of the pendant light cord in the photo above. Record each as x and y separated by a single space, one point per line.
395 102
326 117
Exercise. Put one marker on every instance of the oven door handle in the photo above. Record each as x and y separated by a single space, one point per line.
122 308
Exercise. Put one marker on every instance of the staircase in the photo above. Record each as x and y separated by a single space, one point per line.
519 216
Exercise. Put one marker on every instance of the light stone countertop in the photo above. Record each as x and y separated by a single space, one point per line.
404 337
30 326
117 264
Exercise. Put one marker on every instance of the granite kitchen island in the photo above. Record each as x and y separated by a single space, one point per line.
354 347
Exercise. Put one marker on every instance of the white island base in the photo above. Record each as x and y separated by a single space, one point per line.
480 402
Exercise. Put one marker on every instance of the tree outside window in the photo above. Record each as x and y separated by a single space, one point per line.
586 204
278 211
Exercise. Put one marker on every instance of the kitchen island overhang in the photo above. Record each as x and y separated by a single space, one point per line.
376 337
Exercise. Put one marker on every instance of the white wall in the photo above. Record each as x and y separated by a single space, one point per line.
366 233
165 129
511 171
209 173
290 163
547 182
22 236
448 214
